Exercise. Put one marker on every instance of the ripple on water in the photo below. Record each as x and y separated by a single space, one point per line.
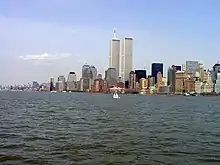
77 128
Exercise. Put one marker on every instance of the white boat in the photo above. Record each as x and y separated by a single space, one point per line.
115 96
53 91
186 94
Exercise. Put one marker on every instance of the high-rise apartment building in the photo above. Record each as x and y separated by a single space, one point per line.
126 58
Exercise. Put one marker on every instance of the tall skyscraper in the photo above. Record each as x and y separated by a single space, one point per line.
114 54
126 58
71 81
89 74
121 56
61 78
155 68
71 77
111 77
140 74
192 67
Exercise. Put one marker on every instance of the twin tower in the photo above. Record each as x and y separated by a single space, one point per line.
121 56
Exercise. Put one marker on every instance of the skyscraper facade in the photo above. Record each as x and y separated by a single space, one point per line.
86 77
71 77
71 81
140 74
121 56
111 77
192 67
155 68
114 54
126 58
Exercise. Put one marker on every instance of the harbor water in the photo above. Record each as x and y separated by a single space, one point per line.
94 129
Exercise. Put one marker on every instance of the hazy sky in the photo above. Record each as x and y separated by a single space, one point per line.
47 38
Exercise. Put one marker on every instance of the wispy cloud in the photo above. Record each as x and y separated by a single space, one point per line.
46 57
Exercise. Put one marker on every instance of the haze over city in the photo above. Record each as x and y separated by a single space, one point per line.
50 38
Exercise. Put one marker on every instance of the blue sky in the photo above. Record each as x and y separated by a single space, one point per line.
63 35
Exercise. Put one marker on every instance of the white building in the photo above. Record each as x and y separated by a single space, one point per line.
121 56
126 58
114 54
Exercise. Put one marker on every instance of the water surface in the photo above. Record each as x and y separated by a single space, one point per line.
84 128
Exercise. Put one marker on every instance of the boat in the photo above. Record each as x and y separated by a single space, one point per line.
115 96
186 94
53 91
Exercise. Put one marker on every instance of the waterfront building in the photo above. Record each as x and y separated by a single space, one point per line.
217 83
143 83
126 63
198 87
151 81
178 67
71 82
164 89
114 54
180 81
171 78
164 81
60 86
132 80
35 84
89 74
140 74
71 77
99 76
183 67
192 67
96 85
155 68
81 84
111 76
52 84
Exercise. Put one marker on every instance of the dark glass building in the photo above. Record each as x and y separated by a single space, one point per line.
155 68
216 68
126 84
140 74
178 68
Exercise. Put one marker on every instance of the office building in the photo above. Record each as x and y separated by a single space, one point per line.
126 64
140 74
151 81
61 78
52 84
111 77
132 80
71 82
178 67
114 54
71 77
89 74
192 67
155 68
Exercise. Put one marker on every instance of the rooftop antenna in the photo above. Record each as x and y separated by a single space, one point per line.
114 33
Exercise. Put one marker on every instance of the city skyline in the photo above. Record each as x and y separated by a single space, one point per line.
61 42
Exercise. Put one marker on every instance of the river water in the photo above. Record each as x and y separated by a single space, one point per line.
85 128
